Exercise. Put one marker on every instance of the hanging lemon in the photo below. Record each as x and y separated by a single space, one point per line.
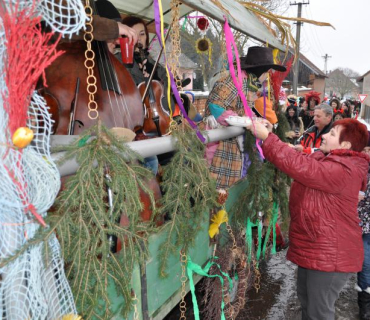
22 137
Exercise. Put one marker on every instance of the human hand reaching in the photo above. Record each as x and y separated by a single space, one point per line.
260 129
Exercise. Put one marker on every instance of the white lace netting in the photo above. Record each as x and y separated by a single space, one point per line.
30 286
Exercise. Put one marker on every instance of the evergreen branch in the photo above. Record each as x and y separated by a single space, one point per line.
189 192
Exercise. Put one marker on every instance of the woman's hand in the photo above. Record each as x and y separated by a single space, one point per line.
130 33
260 129
298 147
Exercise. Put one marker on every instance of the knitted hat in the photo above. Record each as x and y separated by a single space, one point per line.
259 110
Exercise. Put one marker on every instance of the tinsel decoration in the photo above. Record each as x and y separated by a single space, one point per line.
277 79
28 54
203 23
189 193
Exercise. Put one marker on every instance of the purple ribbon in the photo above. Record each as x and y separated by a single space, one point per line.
157 18
264 99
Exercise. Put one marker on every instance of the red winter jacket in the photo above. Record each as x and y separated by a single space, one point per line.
324 229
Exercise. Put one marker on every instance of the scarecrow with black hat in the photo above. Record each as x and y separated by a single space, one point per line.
227 161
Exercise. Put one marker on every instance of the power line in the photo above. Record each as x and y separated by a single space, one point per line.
297 39
314 32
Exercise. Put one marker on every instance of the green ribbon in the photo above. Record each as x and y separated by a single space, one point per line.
250 225
275 214
192 267
83 141
267 238
183 25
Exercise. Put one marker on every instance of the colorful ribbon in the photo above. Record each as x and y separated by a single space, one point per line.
230 42
158 15
191 268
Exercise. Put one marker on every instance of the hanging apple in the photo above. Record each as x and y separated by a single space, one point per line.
22 137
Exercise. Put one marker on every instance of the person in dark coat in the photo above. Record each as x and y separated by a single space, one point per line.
312 137
324 232
313 99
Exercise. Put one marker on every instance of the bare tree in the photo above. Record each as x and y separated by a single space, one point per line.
349 72
339 82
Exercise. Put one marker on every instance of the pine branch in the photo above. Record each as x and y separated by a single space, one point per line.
189 192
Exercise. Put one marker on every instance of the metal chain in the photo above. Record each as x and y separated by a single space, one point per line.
230 231
183 279
90 64
175 53
257 279
134 304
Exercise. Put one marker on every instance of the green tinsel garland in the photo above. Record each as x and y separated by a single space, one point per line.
189 193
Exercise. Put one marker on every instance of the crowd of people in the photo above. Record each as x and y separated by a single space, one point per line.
324 157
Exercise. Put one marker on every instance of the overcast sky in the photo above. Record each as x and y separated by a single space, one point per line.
348 45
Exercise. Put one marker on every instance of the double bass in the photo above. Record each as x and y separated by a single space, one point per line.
118 98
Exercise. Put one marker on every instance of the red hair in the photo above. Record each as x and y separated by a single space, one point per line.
354 132
313 95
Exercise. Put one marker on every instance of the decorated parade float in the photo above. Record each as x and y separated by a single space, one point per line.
88 232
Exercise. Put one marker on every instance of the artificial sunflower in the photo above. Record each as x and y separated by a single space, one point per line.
204 45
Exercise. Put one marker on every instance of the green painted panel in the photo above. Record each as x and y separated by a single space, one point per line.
161 290
164 294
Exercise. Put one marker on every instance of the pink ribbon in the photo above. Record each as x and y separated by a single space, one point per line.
229 38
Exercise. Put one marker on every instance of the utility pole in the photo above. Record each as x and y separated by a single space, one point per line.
326 57
297 40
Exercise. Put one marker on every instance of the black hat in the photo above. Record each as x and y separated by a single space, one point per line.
259 60
106 9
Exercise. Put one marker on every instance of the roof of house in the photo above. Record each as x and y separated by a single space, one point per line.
310 65
361 78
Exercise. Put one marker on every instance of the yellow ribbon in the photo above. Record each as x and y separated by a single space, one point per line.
164 52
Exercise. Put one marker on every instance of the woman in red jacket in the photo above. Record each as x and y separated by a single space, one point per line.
325 236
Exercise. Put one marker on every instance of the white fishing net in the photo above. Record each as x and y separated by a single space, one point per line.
32 286
64 16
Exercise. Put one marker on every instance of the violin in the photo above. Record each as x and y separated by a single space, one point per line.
157 119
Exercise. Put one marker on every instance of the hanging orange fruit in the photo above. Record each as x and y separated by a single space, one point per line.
22 137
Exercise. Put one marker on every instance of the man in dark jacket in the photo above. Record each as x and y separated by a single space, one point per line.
312 138
324 233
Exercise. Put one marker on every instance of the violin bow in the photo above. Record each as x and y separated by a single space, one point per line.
155 67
